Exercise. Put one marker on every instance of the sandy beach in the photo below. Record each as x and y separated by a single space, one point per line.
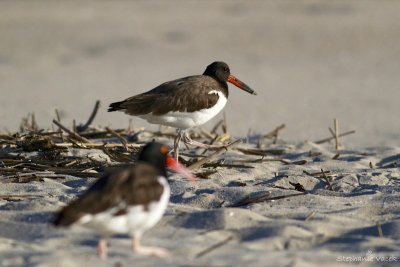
292 201
275 210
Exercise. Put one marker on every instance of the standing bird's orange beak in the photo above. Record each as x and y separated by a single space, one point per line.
179 168
233 80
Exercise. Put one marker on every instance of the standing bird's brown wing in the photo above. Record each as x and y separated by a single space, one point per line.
125 187
187 94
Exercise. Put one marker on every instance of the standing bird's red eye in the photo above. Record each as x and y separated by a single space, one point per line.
226 69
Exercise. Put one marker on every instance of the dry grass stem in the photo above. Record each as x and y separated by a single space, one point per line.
211 143
380 232
122 139
95 145
82 128
58 117
72 134
310 216
319 175
331 138
213 247
261 152
213 156
326 180
225 125
18 196
336 125
216 126
207 134
274 133
262 198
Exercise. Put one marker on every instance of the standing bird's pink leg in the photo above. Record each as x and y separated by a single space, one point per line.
176 144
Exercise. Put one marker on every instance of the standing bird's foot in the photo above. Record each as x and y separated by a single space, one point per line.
102 248
189 141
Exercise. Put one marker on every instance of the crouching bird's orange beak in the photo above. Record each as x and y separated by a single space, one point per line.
175 166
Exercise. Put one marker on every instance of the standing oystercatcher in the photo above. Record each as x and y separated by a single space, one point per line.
184 103
129 200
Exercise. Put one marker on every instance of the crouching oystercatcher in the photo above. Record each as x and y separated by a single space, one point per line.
129 200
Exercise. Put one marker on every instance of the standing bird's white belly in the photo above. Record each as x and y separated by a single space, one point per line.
185 120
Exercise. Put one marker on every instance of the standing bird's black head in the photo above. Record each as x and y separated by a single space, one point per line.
156 154
220 71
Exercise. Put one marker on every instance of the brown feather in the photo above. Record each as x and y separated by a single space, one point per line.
129 186
187 94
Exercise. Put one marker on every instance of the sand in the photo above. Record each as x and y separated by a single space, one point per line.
310 62
356 215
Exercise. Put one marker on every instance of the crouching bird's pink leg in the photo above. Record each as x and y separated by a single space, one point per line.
102 248
149 251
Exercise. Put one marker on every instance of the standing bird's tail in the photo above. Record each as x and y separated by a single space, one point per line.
115 106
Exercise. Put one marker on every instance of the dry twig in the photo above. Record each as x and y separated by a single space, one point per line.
214 155
82 128
336 124
261 152
332 137
298 186
120 137
225 124
71 133
310 216
59 120
205 174
264 197
213 247
327 180
274 133
380 232
215 128
18 196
